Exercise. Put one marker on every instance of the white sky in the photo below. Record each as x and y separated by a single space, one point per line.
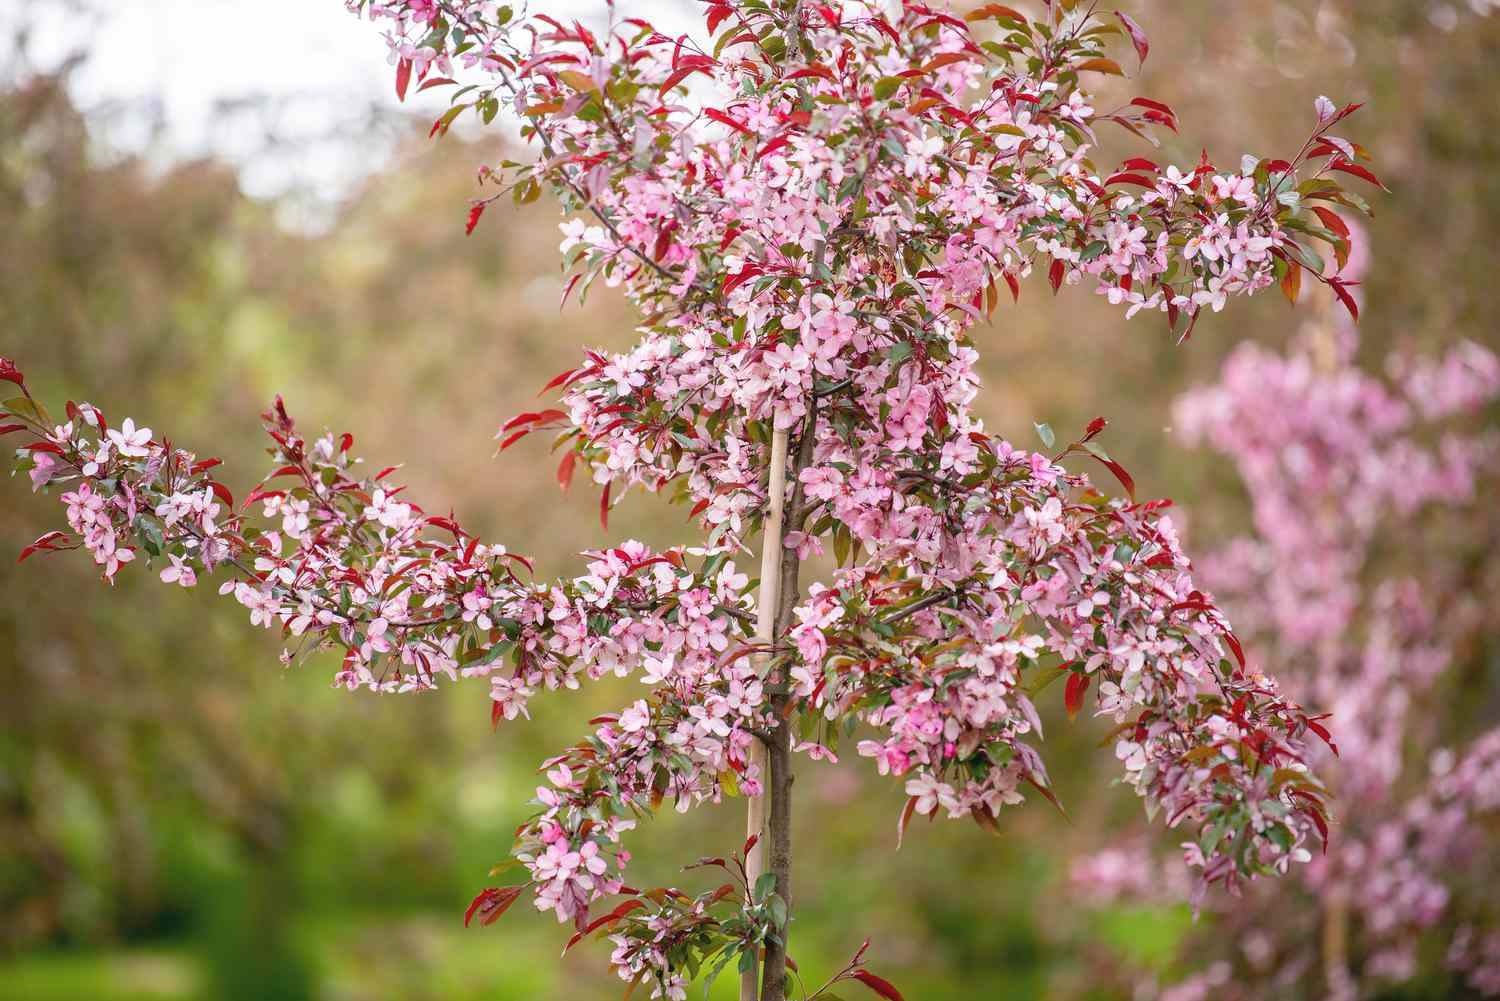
159 71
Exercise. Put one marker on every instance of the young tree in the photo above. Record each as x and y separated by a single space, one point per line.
814 211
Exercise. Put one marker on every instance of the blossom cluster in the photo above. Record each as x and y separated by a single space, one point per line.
1042 578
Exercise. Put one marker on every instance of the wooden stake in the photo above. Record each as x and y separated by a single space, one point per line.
767 600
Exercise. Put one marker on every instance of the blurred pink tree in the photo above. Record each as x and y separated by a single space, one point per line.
812 231
1364 586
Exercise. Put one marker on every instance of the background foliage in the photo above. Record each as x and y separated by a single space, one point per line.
182 818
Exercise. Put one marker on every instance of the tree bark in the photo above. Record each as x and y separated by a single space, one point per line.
773 981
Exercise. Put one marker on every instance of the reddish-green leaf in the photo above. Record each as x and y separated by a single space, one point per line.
990 10
1100 64
906 812
491 903
1137 36
1291 282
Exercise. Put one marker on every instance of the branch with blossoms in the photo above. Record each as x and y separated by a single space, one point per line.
814 208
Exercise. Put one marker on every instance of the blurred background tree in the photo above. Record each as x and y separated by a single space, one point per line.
183 819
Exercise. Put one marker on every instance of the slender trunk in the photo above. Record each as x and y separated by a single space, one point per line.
773 987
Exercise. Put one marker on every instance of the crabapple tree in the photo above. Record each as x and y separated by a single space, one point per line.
815 206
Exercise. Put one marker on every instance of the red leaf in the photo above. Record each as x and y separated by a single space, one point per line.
436 81
1126 480
1015 287
1234 647
492 903
1169 117
403 77
558 380
1332 220
1137 36
475 211
572 284
1322 732
1130 179
1055 274
1078 684
565 470
878 985
10 373
1322 825
815 70
43 544
532 417
221 492
884 26
8 428
1341 290
734 281
680 75
906 812
716 16
724 119
1362 173
604 507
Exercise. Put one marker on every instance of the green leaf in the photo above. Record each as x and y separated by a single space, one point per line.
1096 450
765 885
778 911
887 86
22 407
1045 432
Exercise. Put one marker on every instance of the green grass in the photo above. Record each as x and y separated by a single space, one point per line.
148 974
